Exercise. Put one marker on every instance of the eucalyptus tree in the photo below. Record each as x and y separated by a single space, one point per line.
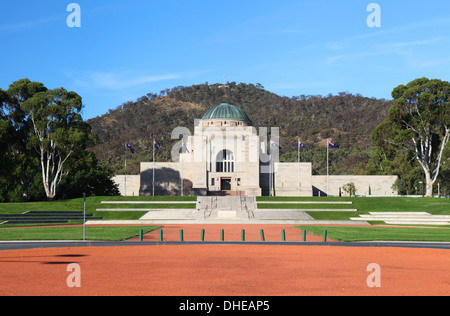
57 132
418 122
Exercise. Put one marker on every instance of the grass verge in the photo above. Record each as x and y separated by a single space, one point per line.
110 233
370 233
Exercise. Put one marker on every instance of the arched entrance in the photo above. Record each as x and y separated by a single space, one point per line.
225 161
225 164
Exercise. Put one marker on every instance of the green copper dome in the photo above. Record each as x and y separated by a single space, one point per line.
226 111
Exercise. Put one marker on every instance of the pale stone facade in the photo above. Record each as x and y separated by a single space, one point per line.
379 185
129 185
226 156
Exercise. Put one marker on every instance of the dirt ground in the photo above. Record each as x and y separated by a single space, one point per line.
225 270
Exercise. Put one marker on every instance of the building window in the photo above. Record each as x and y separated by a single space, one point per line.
239 181
212 182
225 161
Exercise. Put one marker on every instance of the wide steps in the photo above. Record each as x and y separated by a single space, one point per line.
405 218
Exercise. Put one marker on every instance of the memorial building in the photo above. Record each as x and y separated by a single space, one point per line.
226 155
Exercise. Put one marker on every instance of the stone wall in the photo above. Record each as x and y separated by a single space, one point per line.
133 184
167 178
287 178
379 185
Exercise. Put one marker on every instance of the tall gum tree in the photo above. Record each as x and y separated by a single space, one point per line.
23 166
58 131
419 121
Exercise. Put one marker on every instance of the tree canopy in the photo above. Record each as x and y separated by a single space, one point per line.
417 128
46 139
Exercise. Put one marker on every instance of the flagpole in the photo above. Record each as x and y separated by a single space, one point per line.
270 169
298 160
181 160
270 176
328 146
153 183
125 189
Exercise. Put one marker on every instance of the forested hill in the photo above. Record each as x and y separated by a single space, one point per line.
345 118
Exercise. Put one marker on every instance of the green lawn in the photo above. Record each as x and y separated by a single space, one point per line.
364 205
370 233
94 203
112 233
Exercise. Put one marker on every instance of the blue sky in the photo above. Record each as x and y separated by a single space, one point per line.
126 49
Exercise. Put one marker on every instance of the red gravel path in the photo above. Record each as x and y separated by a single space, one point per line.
203 270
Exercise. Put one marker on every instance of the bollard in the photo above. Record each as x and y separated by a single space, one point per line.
203 235
222 235
262 235
304 235
243 235
324 236
181 235
160 235
283 235
141 235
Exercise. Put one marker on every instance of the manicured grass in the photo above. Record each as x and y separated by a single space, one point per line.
303 206
94 203
147 206
296 198
364 205
371 233
111 233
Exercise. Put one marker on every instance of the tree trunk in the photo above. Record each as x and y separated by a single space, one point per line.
428 185
25 194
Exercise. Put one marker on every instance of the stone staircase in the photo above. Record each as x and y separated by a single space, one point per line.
239 209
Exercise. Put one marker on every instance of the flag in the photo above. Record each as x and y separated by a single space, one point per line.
156 146
129 147
301 145
184 147
331 145
273 144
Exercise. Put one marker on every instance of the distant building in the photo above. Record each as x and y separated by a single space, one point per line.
226 156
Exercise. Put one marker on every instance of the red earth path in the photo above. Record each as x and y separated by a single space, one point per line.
225 270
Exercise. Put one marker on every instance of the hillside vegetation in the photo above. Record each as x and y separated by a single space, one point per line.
344 118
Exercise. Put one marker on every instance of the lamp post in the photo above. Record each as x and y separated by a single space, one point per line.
84 217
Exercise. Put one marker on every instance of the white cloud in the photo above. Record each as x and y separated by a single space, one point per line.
119 81
29 24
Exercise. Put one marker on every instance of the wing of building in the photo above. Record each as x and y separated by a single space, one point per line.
228 156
